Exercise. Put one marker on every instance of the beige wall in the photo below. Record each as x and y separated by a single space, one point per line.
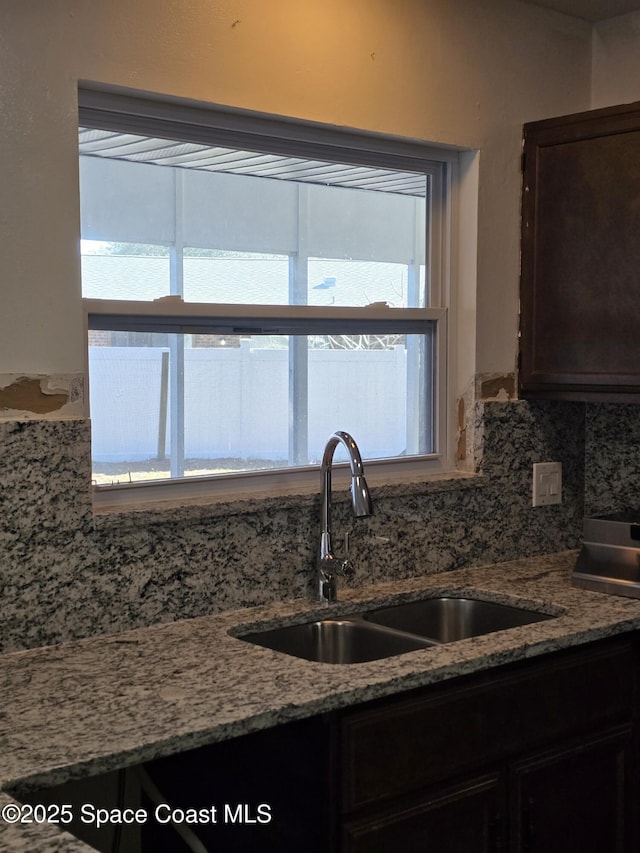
468 72
616 61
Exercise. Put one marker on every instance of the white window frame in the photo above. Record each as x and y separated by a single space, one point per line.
123 111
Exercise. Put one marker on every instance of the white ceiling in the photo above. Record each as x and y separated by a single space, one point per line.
591 10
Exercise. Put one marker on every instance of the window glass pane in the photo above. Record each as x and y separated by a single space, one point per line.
244 227
377 387
231 408
353 283
124 270
240 277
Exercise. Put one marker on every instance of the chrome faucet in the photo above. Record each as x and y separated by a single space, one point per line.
330 566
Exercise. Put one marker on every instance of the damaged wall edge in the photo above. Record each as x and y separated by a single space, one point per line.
482 388
496 386
56 396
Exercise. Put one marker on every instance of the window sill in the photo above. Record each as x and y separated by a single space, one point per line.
260 500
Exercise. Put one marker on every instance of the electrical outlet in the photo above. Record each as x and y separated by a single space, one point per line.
547 483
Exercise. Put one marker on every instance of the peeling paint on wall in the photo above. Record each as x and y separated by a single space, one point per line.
496 386
465 430
461 450
47 397
27 395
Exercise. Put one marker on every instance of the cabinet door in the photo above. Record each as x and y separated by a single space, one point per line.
574 800
580 290
466 819
458 729
272 791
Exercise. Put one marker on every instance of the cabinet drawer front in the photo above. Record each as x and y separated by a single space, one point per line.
404 745
466 819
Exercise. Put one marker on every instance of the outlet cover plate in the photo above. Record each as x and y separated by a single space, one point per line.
547 483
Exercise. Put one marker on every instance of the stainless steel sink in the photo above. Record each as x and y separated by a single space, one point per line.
390 631
338 641
446 620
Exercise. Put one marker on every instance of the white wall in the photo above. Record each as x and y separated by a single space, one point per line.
467 73
616 61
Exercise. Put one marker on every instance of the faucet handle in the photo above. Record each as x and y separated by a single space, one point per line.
346 566
346 569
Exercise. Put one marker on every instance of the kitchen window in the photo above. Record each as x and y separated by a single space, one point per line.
252 284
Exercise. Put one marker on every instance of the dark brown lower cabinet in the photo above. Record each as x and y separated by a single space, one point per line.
536 757
575 799
465 819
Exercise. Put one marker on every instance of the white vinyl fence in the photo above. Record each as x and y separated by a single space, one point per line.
237 402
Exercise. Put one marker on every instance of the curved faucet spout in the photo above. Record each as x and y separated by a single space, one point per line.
329 566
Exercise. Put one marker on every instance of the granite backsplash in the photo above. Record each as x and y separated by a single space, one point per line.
612 450
66 574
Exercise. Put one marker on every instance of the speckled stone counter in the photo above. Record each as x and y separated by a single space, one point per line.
94 705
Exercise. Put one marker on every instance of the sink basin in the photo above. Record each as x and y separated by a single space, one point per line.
338 641
446 620
390 631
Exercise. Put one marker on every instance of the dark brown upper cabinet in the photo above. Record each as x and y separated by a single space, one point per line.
580 276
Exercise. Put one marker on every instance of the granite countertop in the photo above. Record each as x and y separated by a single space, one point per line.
94 705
